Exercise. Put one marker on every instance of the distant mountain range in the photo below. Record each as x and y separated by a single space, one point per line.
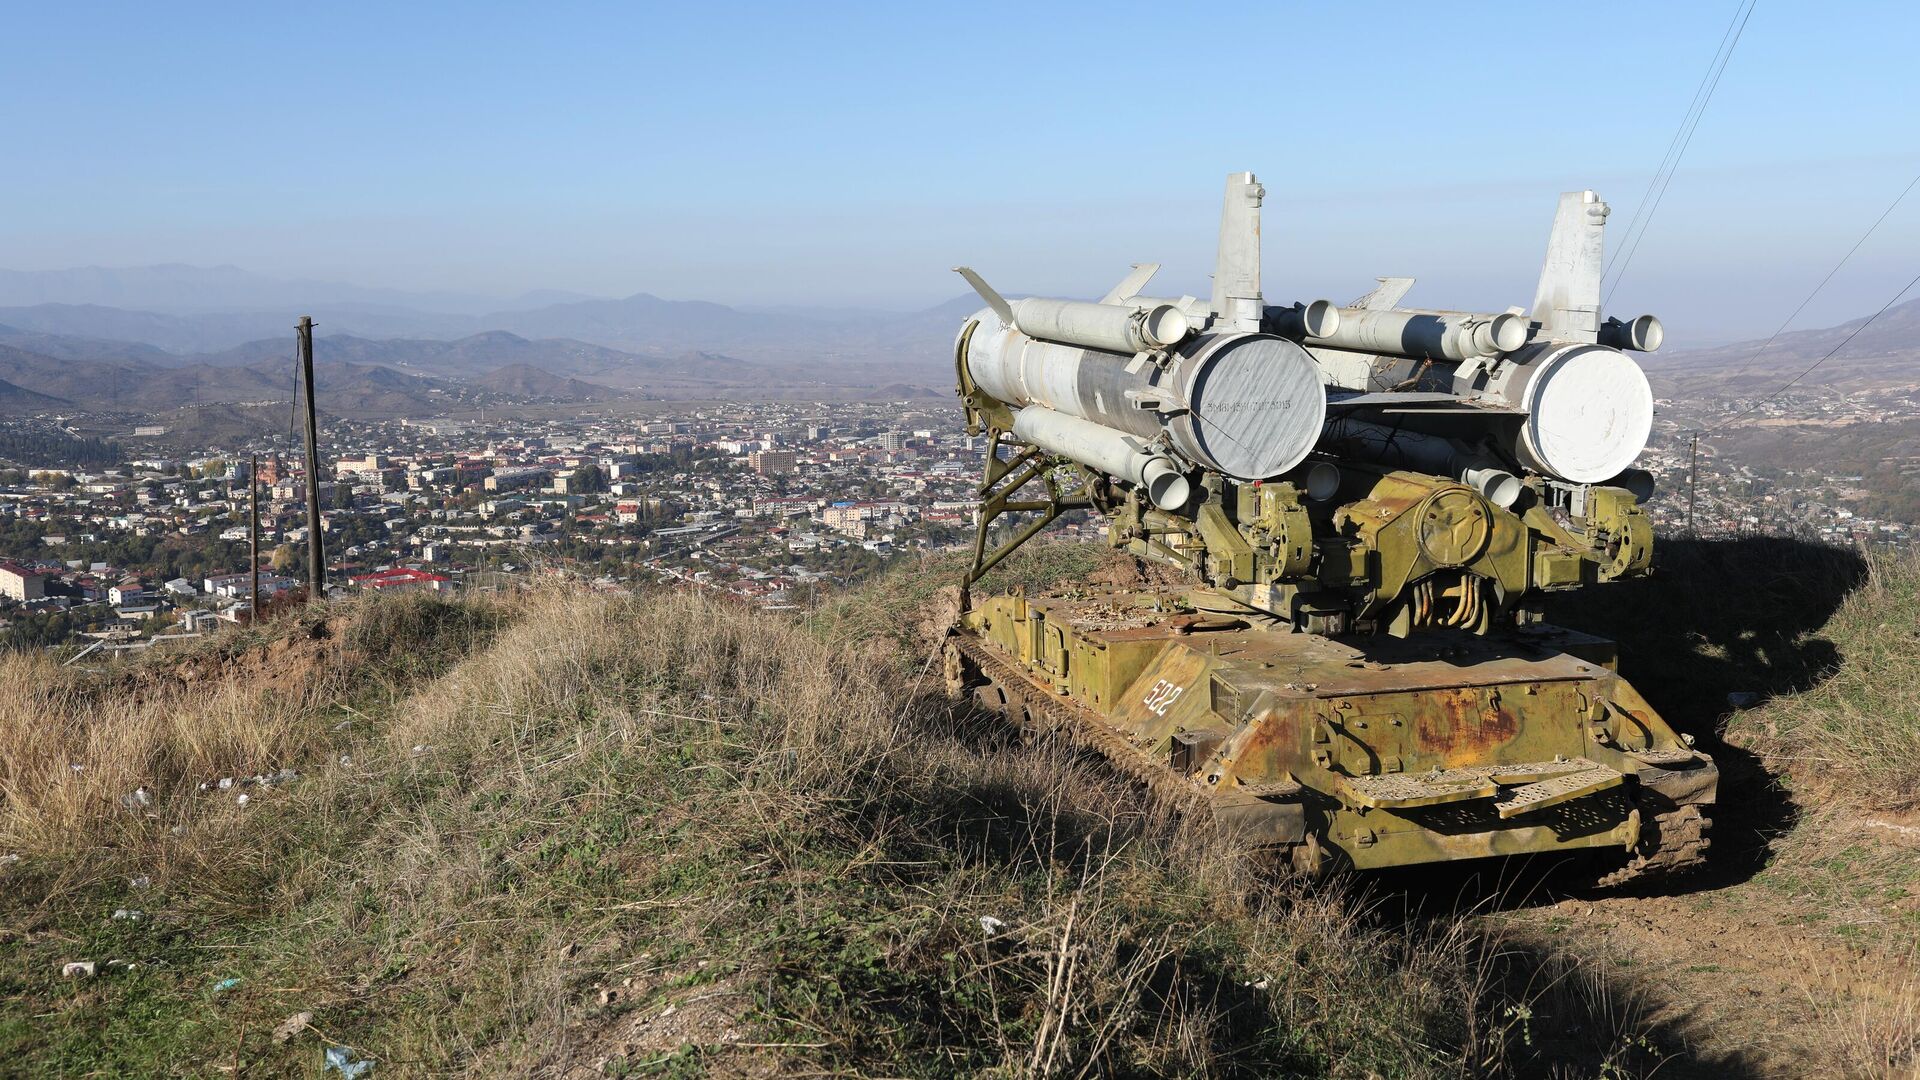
57 384
190 310
461 358
179 288
356 377
167 337
44 372
1885 353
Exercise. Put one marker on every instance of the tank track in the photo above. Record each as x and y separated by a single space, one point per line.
1674 845
1081 728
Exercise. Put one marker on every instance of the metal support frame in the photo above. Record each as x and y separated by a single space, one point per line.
1004 480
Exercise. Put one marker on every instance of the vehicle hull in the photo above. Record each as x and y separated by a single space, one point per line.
1374 752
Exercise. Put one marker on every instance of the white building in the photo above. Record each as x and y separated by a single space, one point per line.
19 583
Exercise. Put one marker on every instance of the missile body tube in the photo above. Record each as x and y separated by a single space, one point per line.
1424 335
1585 410
1348 437
1314 319
1643 334
1247 405
1103 449
1112 327
1589 408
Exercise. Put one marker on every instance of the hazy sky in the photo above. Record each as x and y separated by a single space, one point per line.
850 154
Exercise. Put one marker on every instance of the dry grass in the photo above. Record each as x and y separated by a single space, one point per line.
99 768
584 835
1879 1037
1855 736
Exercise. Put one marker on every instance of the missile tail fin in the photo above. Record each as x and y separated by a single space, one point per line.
1236 268
1131 285
1567 302
1386 295
994 300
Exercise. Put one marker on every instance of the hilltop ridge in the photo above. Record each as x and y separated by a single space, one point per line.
573 834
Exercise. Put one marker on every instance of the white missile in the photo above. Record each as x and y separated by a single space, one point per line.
1101 448
1241 389
1404 448
1248 405
1580 413
1101 326
1422 335
1582 409
1131 327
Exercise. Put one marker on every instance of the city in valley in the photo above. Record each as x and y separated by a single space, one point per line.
771 502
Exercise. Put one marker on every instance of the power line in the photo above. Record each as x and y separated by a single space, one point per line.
1823 281
1690 127
1674 142
1789 384
293 406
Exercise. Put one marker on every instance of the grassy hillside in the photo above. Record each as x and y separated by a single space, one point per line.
1853 737
582 835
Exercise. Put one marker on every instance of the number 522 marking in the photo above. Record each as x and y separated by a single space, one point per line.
1162 697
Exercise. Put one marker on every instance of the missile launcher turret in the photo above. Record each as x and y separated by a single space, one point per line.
1357 511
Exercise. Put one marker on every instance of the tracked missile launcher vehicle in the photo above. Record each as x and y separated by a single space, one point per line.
1344 521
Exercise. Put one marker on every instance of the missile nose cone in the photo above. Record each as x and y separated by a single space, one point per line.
1322 481
1166 486
1164 325
1320 318
1509 332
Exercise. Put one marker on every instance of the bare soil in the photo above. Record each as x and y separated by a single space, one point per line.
1760 970
1736 977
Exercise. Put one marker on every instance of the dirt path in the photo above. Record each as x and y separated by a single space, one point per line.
1746 986
1795 960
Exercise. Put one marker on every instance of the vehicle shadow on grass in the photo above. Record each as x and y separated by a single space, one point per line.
1723 625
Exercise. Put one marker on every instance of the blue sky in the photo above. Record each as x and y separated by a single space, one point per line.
848 155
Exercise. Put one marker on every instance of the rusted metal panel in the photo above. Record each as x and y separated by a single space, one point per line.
1168 696
1381 839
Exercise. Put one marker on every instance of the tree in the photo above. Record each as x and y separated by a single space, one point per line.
42 444
590 479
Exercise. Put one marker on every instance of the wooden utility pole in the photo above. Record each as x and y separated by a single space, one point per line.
1693 476
253 537
316 558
